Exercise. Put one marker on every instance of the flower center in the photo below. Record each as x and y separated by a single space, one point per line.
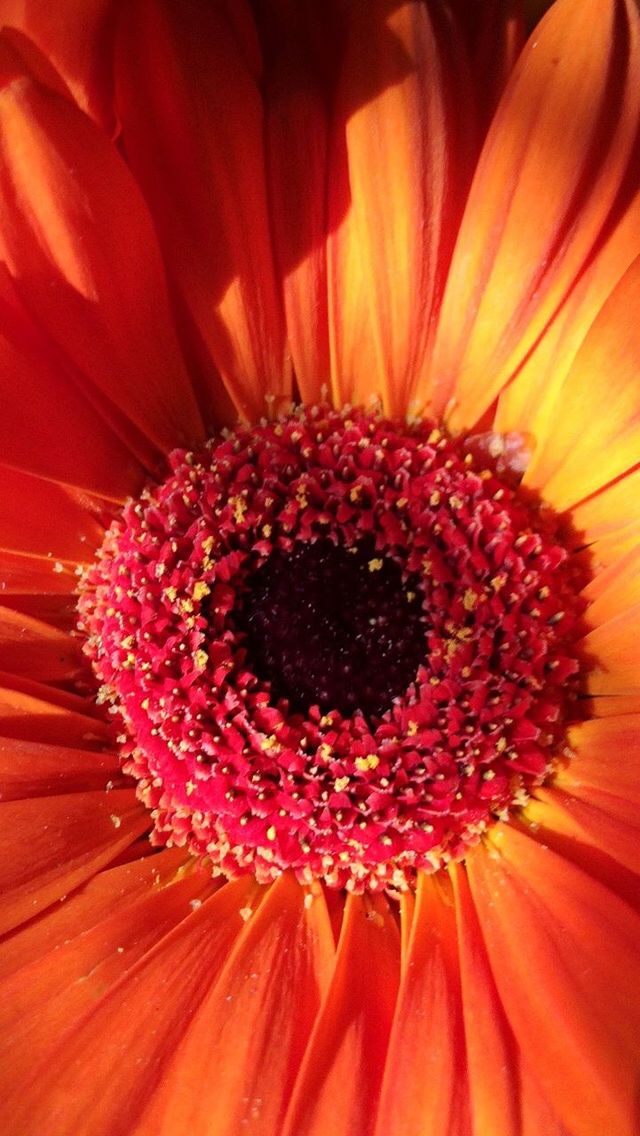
333 626
337 644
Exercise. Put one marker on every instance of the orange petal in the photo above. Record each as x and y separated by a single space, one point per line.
227 1074
338 1084
299 44
75 37
537 1114
424 1088
36 576
614 649
615 589
495 32
603 822
30 647
36 712
123 1044
89 905
43 407
598 765
192 122
491 1052
34 769
39 1000
54 607
608 521
563 948
50 845
552 169
397 179
595 433
59 527
81 248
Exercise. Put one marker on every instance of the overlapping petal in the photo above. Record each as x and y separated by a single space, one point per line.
399 165
527 237
192 127
79 246
306 174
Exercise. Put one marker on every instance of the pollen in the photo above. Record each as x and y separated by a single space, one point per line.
334 646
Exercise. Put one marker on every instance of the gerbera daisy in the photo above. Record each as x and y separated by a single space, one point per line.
319 548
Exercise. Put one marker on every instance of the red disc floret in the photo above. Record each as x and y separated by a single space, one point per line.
245 747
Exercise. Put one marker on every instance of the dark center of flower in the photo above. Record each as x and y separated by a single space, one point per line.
333 626
337 645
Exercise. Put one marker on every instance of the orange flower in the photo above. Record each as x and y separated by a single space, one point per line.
210 212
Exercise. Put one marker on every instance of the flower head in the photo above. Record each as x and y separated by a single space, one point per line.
320 699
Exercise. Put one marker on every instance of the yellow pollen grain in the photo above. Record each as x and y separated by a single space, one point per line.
341 783
325 750
200 659
271 832
498 582
266 531
200 590
375 565
364 764
435 498
239 506
412 729
469 600
171 593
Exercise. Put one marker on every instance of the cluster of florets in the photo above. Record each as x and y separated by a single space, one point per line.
230 760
